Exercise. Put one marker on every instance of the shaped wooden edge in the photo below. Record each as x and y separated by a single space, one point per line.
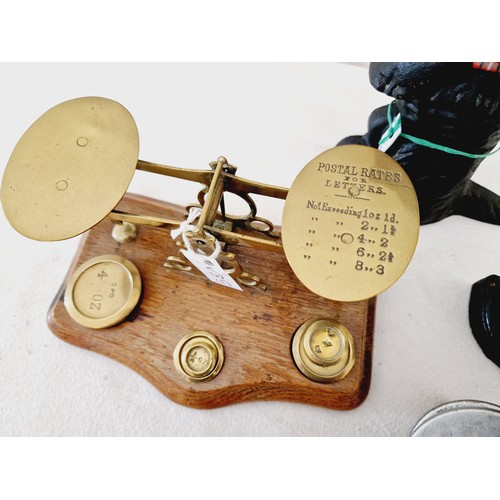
255 327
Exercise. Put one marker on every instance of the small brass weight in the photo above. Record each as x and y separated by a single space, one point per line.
214 308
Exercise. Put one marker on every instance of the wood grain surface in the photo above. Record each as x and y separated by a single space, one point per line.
255 326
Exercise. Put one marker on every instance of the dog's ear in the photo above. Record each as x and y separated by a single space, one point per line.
417 80
404 80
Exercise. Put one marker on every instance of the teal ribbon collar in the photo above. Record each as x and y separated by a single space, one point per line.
395 127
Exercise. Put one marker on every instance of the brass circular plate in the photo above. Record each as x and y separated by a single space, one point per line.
70 168
350 223
199 356
103 291
323 350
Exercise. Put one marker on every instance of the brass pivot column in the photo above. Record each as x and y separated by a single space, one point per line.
214 196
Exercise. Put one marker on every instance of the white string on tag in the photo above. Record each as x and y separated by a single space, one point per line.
186 226
207 264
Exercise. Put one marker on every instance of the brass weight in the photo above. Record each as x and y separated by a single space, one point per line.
323 350
103 291
199 356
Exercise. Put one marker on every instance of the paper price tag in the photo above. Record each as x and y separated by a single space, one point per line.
211 269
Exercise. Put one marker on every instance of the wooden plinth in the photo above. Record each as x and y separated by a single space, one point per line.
254 326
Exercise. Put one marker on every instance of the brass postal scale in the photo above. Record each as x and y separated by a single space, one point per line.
214 308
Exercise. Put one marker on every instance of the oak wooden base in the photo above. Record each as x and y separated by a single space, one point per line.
254 326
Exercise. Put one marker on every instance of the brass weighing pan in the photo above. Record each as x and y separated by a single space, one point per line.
70 168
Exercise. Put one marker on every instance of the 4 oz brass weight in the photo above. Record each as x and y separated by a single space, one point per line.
103 291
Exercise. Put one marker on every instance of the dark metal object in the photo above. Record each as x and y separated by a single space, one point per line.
484 316
452 104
